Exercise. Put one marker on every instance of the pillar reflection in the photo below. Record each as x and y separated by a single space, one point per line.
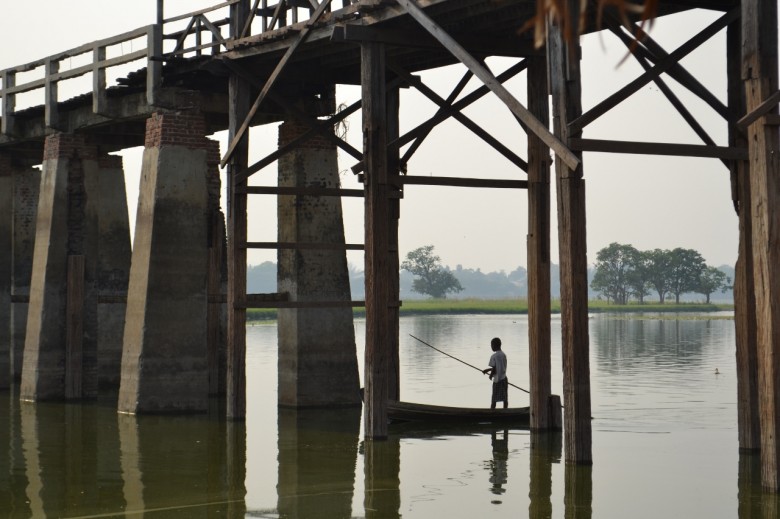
578 491
317 460
546 449
382 465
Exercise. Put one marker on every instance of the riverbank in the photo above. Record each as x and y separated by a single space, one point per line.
511 306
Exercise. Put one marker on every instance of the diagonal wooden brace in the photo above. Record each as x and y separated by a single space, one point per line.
521 112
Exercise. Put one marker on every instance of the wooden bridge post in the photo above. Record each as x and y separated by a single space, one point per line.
377 273
749 431
760 76
239 92
567 105
394 266
539 249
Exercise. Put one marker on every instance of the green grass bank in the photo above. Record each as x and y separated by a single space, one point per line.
511 306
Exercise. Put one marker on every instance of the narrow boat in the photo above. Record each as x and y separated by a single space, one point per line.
412 412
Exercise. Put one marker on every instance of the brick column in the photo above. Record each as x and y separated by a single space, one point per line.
113 268
66 227
165 357
317 357
26 189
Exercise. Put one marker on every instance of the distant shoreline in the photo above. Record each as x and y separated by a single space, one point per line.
512 306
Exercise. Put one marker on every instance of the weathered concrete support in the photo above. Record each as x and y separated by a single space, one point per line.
217 283
565 86
317 355
6 262
239 91
749 430
760 76
538 246
66 226
113 268
26 189
377 243
164 358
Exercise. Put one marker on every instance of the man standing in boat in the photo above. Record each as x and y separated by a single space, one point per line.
497 373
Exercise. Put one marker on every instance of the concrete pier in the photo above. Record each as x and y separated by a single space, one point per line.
165 357
6 261
60 356
26 186
113 268
317 357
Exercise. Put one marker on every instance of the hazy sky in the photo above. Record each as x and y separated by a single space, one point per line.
649 202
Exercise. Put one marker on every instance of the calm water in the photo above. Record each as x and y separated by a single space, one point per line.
664 442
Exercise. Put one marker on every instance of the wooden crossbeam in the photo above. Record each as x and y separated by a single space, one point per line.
248 25
653 52
458 116
299 39
658 148
670 95
301 245
301 191
660 67
458 182
761 110
441 115
304 304
487 77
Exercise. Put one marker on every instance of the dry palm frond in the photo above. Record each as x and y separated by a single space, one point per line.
559 12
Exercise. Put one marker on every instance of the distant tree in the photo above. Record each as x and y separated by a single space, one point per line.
639 277
711 280
659 262
685 270
614 265
432 279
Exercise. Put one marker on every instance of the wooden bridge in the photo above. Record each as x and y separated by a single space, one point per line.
242 63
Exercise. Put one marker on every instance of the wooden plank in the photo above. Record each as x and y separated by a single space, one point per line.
565 87
176 18
154 51
661 66
305 304
459 182
487 77
748 425
395 191
538 247
74 328
302 245
460 117
99 99
761 110
238 108
301 37
760 80
51 107
248 24
658 148
372 79
304 191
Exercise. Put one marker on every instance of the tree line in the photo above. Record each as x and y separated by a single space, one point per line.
622 272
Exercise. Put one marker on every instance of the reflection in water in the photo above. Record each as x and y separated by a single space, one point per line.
578 496
499 440
382 466
753 502
317 459
82 459
546 450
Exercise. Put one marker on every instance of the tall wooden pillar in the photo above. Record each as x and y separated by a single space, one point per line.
567 105
372 77
744 299
538 249
239 91
759 73
394 266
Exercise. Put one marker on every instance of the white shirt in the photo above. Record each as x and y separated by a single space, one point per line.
498 361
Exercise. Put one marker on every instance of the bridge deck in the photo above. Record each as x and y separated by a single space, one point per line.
330 55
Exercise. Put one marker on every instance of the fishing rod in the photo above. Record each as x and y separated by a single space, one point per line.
462 361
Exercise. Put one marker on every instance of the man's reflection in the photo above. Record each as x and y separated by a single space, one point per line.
499 440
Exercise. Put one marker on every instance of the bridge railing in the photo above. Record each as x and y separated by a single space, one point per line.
13 84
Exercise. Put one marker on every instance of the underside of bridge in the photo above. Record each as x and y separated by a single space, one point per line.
287 72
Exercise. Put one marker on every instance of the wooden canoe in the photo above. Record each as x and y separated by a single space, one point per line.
413 412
